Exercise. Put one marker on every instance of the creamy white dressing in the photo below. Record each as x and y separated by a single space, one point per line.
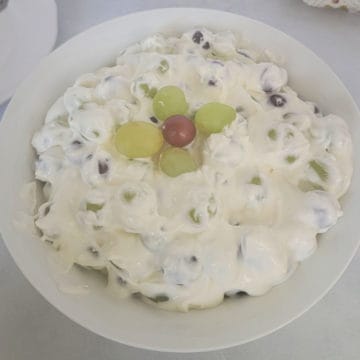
267 184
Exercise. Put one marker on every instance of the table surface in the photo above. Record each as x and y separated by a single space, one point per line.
30 328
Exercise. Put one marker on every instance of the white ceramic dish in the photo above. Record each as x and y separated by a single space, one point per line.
132 322
28 31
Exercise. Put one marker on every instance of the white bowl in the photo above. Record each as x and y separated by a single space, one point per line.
128 321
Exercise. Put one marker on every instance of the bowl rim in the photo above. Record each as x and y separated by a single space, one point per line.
78 319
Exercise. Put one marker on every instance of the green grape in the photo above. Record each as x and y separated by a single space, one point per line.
194 216
163 67
306 185
291 159
256 180
168 101
62 121
320 169
138 139
93 207
149 92
128 196
272 134
213 117
175 161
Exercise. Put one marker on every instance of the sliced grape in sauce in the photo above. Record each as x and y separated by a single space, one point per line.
198 37
277 100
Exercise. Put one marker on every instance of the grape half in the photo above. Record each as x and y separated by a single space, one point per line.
175 161
168 101
213 117
138 139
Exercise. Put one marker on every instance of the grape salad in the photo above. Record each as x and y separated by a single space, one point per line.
189 171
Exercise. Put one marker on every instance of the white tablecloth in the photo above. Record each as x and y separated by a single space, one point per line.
31 329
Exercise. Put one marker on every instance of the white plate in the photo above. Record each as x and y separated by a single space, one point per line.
28 31
129 321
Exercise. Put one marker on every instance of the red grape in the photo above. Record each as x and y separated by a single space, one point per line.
178 130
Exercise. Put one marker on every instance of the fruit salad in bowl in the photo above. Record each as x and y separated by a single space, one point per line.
189 171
